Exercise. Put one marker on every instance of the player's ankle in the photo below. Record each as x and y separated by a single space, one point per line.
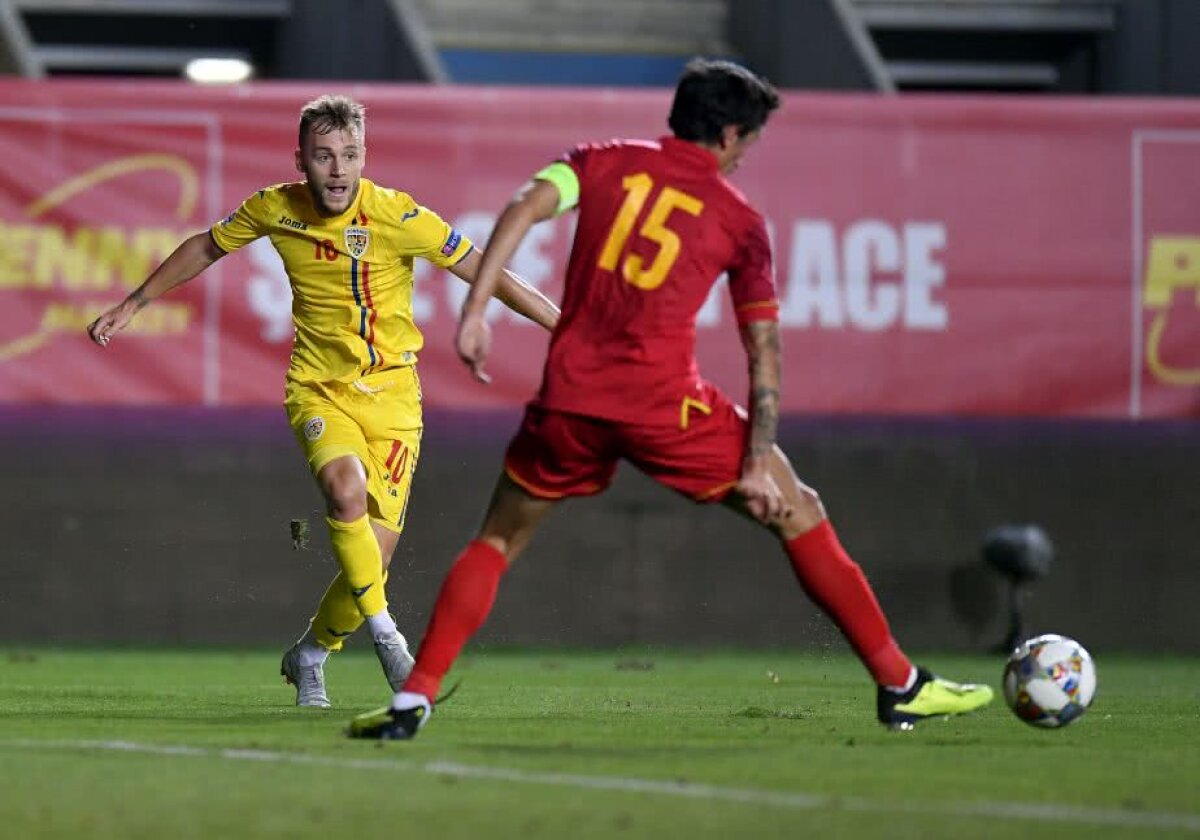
908 684
410 699
311 653
422 683
382 626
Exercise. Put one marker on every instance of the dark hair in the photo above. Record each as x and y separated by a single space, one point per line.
333 113
713 94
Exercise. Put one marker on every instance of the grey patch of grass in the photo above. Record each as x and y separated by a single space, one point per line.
756 712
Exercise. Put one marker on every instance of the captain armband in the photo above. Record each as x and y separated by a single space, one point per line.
563 177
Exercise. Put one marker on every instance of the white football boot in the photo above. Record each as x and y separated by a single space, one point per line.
394 658
309 680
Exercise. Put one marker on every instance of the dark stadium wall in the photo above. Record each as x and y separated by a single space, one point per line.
395 53
171 527
1153 50
836 54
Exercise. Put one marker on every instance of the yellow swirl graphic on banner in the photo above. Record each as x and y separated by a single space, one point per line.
189 190
189 184
23 345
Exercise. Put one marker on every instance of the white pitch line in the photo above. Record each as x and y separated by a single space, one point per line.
686 790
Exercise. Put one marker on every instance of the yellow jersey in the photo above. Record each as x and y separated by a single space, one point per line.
351 274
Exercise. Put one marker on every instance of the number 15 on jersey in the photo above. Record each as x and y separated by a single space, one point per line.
638 188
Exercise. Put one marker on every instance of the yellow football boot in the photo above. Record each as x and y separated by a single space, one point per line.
930 697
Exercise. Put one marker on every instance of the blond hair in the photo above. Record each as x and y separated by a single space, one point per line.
333 113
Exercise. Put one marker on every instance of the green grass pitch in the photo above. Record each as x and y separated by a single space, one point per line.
203 744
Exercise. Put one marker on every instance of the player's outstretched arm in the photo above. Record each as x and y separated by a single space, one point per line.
513 291
193 255
536 201
761 341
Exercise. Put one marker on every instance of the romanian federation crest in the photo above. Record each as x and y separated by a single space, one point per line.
357 241
314 428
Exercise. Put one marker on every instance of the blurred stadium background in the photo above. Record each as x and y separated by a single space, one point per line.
988 249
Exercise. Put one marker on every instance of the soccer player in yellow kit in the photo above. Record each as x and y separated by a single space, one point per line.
352 396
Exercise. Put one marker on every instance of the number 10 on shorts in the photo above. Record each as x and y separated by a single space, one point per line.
396 461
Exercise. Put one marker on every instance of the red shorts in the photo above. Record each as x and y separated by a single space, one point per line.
555 455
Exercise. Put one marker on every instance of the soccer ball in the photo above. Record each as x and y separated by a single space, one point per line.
1049 681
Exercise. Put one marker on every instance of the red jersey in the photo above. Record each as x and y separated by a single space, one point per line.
658 224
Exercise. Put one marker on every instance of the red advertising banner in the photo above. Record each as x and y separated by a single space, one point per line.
987 256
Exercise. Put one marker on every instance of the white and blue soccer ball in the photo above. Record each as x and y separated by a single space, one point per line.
1049 681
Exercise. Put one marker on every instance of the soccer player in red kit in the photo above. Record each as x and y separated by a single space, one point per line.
658 223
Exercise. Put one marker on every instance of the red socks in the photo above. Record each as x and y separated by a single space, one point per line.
836 584
463 604
825 571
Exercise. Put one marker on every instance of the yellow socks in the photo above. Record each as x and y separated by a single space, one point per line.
357 552
338 616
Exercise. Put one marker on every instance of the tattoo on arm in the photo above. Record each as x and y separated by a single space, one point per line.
138 296
766 420
762 342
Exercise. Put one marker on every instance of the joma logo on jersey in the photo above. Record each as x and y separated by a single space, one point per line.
357 241
292 223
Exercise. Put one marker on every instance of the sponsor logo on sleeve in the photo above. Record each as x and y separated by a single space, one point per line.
452 243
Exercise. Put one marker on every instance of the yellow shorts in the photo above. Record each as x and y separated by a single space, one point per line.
377 419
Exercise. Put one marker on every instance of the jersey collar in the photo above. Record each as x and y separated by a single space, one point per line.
689 151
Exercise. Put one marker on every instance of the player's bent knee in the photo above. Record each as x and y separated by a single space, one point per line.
803 511
809 502
347 500
512 518
500 543
508 537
